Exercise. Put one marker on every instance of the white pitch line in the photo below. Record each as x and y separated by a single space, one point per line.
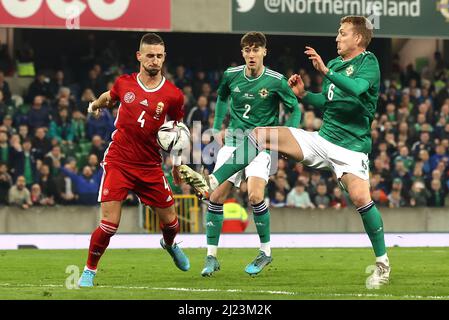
359 295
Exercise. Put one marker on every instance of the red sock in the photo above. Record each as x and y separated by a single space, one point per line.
169 231
99 241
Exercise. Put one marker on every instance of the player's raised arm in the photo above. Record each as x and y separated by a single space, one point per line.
291 104
297 85
221 106
354 87
104 101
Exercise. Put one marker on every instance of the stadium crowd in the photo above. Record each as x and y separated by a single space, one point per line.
51 149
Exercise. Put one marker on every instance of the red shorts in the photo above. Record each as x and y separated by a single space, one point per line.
149 184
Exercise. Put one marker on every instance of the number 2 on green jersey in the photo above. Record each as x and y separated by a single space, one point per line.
248 108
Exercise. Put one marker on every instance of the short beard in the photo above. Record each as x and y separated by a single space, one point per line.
152 72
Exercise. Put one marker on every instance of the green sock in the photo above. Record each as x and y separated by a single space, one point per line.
262 221
372 221
214 222
241 157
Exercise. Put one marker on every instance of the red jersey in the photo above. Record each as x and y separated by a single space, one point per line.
140 114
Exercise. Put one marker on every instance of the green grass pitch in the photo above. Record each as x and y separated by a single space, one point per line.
417 273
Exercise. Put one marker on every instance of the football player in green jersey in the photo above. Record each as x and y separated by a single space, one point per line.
348 100
254 93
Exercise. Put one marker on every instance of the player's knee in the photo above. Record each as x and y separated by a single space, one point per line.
260 134
360 199
217 197
255 197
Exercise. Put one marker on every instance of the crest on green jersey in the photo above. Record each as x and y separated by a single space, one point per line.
350 70
263 93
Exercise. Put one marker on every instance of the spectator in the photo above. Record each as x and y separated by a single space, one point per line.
57 82
279 200
405 158
38 116
5 149
8 125
41 144
180 78
93 163
401 174
437 195
54 159
103 126
39 87
278 183
322 200
19 195
87 97
6 109
86 184
38 199
440 155
424 159
299 197
5 183
47 183
61 128
4 88
419 194
199 113
98 148
95 82
79 126
312 187
395 198
338 199
24 162
23 132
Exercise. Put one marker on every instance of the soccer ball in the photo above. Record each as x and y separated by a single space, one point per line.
173 135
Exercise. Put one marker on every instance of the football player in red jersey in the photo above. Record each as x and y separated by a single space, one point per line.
132 161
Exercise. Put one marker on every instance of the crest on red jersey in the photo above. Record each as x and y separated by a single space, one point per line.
159 109
129 97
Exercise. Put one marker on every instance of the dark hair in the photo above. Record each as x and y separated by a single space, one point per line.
151 38
253 38
361 26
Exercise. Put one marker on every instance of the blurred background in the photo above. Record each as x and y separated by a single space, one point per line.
53 62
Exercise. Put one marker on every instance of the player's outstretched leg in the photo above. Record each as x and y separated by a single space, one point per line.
199 182
169 232
99 241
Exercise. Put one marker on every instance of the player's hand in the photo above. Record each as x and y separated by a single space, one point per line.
297 85
176 176
94 110
316 60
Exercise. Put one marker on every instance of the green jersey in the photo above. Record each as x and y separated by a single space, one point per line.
348 114
254 102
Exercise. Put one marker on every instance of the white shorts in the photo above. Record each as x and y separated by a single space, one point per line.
322 154
259 167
